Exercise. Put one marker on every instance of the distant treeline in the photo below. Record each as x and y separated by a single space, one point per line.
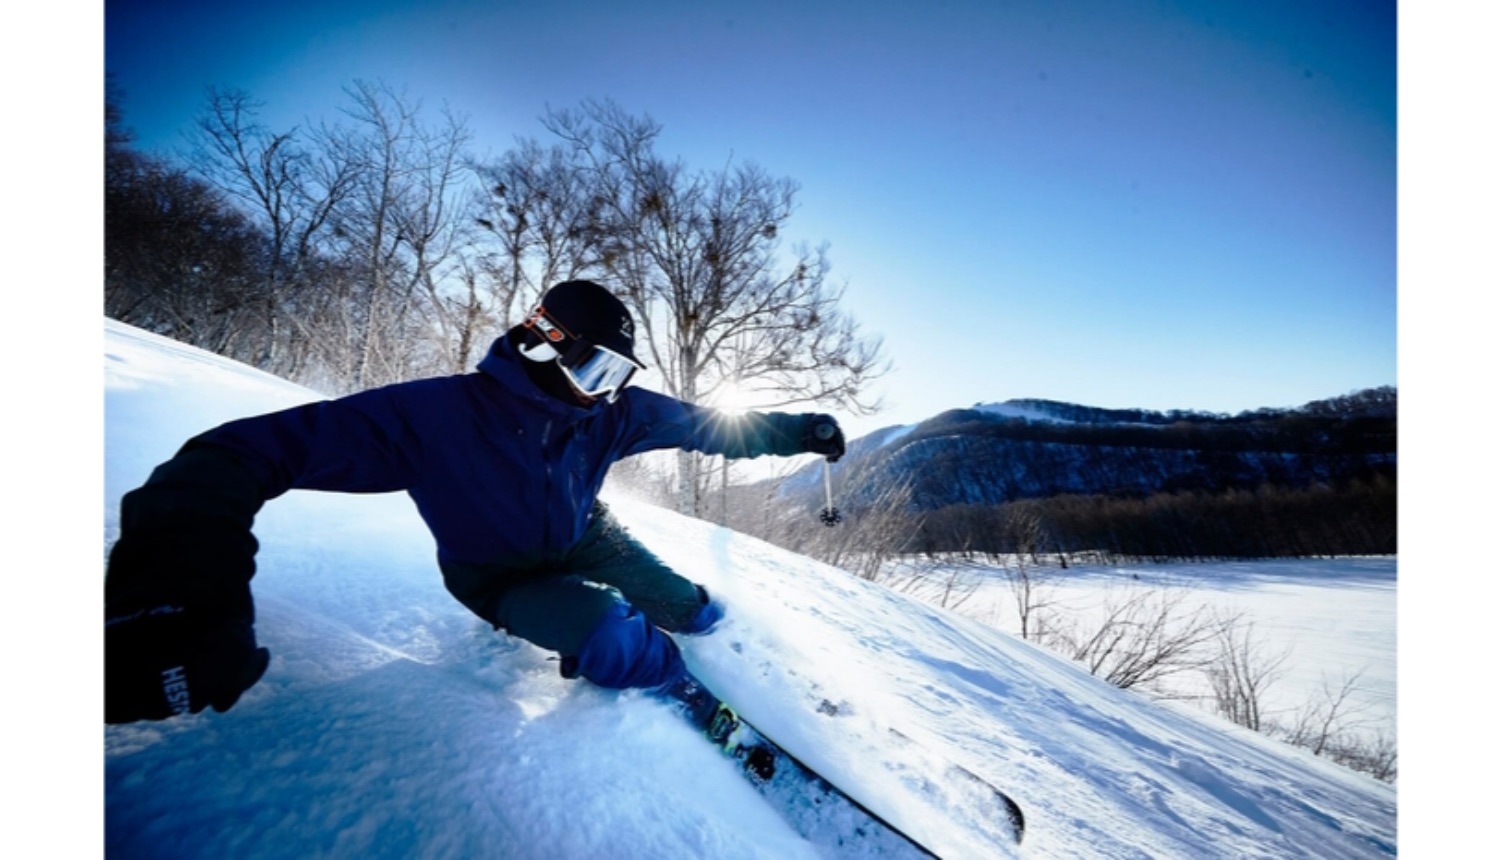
1357 518
1283 432
1354 518
970 458
1312 481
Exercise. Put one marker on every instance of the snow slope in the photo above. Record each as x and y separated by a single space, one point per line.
393 724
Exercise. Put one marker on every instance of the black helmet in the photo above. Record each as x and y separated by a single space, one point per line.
590 333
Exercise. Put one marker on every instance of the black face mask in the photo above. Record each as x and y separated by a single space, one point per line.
546 375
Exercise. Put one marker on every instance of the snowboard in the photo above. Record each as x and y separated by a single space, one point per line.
820 811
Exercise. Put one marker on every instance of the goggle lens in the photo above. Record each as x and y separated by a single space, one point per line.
599 371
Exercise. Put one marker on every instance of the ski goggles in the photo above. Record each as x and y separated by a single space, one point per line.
597 371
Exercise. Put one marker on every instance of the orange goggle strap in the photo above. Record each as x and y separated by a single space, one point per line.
549 329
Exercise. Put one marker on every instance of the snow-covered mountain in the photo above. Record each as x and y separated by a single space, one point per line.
992 453
394 724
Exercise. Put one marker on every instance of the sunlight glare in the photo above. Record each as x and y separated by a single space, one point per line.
733 398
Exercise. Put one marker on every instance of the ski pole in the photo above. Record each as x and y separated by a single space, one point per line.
830 515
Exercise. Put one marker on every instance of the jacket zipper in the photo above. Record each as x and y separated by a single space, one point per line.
546 488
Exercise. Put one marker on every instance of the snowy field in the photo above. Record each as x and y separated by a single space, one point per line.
391 723
1328 623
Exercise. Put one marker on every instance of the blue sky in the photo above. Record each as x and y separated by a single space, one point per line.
1118 203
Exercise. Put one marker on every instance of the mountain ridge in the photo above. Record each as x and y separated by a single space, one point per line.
993 453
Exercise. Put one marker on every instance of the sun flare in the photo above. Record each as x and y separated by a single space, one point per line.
734 398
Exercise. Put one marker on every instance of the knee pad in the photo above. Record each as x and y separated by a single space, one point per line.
625 650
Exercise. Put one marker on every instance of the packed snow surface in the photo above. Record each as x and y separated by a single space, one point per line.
392 723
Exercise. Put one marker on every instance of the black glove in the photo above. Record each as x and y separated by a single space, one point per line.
166 660
179 630
821 435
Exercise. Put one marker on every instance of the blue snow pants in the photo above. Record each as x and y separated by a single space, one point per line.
606 607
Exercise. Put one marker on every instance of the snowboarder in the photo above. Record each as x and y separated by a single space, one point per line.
504 465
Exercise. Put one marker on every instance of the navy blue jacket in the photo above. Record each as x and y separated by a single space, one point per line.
502 472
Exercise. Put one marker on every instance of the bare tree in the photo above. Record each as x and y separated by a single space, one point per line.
179 259
400 225
868 539
1374 754
290 190
1023 528
542 213
1336 726
1241 674
1139 639
1321 724
874 541
467 315
949 584
366 250
699 258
